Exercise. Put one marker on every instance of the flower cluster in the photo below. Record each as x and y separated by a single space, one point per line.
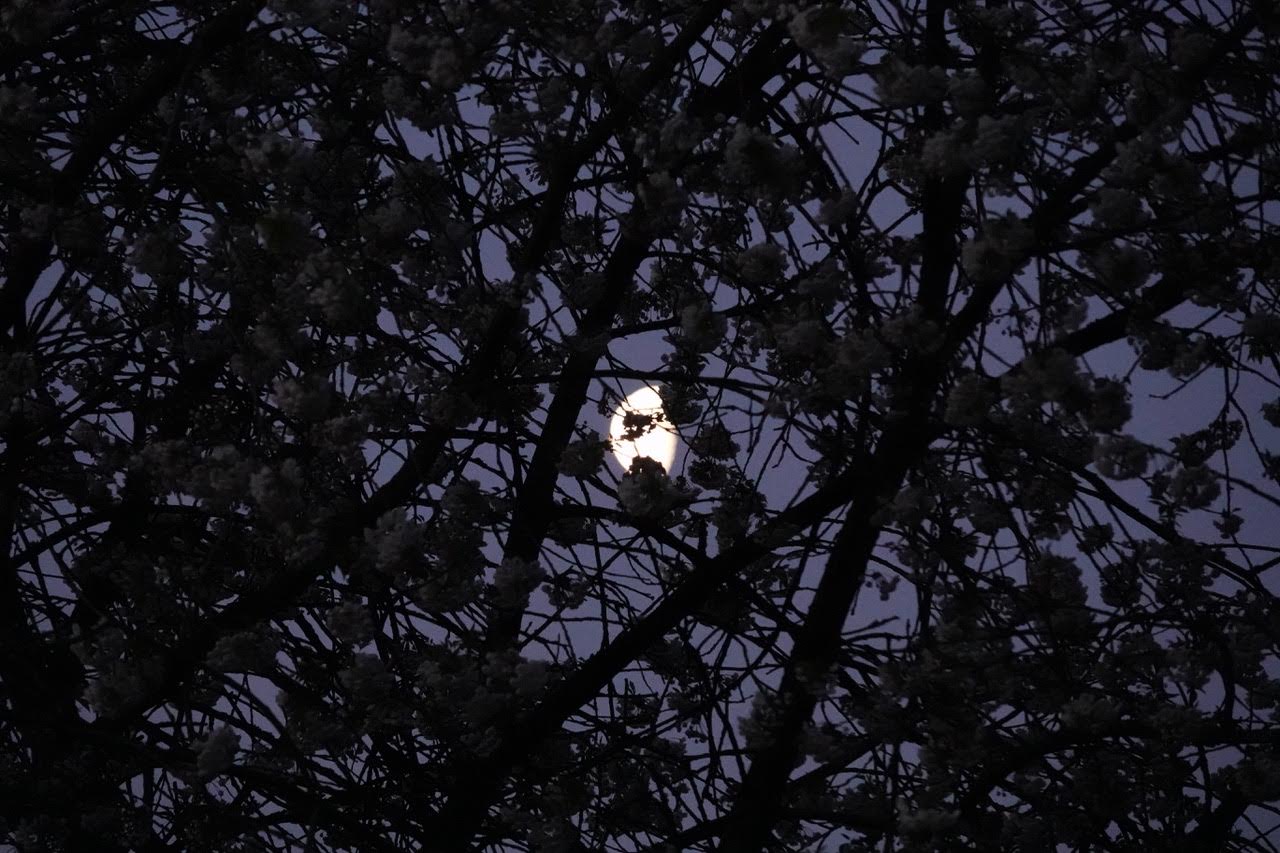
761 264
701 328
999 251
755 161
514 579
367 678
970 401
217 752
902 84
1121 457
819 30
394 541
647 492
583 458
351 622
277 489
245 651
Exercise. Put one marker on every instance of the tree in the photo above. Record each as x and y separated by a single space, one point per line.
967 314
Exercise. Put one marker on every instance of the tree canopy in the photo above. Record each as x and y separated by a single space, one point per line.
966 312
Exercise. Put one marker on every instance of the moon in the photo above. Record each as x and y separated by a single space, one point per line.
658 441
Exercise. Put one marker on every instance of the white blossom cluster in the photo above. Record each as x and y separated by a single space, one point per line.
680 403
968 94
583 458
902 84
366 679
646 491
19 375
529 677
221 478
701 328
245 651
330 288
926 823
18 102
987 144
818 30
663 199
800 337
313 726
714 441
740 504
863 353
755 161
276 489
1057 579
680 135
1193 487
351 622
394 541
970 400
514 579
909 507
761 263
217 752
757 727
440 60
1000 249
481 693
158 254
1117 208
988 515
273 154
119 685
568 590
1051 376
101 648
840 209
1119 266
1261 330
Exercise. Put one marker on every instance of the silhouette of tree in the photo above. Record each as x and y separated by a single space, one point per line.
967 314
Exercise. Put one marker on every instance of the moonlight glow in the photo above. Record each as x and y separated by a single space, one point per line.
658 439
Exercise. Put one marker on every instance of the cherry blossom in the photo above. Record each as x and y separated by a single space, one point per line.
313 316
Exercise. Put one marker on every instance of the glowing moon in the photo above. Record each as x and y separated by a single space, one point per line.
658 439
